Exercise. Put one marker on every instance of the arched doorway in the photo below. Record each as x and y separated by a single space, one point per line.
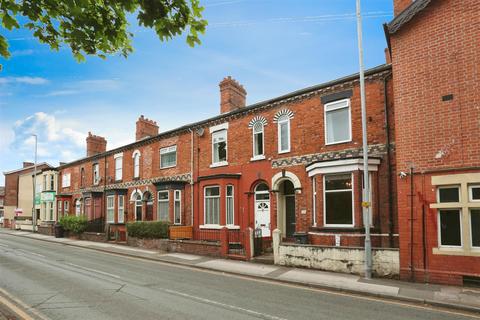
286 208
262 209
148 206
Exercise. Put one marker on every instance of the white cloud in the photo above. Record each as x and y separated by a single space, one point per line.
18 53
56 142
84 86
24 80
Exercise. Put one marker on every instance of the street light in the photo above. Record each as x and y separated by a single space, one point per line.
34 214
366 189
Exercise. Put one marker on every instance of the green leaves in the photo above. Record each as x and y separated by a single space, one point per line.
100 28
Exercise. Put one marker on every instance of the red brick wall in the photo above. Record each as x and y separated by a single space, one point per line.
434 55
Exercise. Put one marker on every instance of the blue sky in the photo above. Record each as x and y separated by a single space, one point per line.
271 46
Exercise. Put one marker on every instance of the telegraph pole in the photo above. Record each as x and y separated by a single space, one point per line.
366 180
34 213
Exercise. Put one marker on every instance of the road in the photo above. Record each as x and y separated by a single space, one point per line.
64 282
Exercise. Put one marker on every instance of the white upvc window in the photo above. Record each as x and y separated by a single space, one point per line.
258 140
118 167
50 211
121 209
212 205
163 205
283 124
96 173
78 208
52 181
338 122
229 203
338 200
219 147
66 208
111 209
474 193
59 208
314 201
450 227
177 207
168 157
136 164
66 180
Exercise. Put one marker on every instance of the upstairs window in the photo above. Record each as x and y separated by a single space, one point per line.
52 182
283 123
66 180
212 205
258 140
338 127
118 167
219 147
168 157
82 177
136 164
96 173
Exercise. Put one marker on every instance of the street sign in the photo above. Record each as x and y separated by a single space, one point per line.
47 196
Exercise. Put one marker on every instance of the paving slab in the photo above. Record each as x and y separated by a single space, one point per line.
238 267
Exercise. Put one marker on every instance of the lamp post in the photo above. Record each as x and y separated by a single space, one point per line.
366 188
34 214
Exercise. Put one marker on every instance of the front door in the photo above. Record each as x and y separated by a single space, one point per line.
290 215
262 209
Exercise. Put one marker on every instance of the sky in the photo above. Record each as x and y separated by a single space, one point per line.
272 47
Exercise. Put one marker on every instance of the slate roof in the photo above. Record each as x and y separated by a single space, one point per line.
407 15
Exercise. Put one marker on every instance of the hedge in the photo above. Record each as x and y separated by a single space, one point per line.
73 223
148 230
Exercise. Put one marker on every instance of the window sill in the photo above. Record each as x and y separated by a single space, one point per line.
257 158
456 251
283 152
337 142
217 226
161 168
219 164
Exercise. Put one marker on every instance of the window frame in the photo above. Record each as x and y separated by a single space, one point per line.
232 205
259 156
110 208
220 162
205 224
352 190
449 187
163 201
439 228
474 248
325 111
66 207
121 208
175 200
118 169
168 150
66 180
136 164
470 192
283 119
96 173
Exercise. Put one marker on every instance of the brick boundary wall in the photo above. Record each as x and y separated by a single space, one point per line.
211 249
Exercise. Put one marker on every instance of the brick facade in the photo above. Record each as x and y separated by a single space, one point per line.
436 75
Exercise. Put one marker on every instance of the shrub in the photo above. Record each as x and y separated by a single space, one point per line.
74 224
148 230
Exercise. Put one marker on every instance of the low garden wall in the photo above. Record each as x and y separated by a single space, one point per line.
46 229
93 236
211 249
386 262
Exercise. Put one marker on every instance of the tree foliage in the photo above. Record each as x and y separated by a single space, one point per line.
100 27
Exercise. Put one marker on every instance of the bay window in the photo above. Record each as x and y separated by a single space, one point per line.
338 200
212 205
111 209
177 207
168 157
229 199
338 126
163 206
66 208
121 209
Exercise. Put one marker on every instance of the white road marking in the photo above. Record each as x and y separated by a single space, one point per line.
94 270
4 245
228 306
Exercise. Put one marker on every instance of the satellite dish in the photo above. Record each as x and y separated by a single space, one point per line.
200 132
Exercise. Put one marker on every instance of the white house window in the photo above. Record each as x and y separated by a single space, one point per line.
474 193
66 180
118 168
338 127
258 140
448 194
338 200
52 182
450 227
96 173
50 210
66 208
212 205
229 205
163 205
177 208
136 163
78 208
283 123
475 227
168 157
111 209
121 208
219 147
59 208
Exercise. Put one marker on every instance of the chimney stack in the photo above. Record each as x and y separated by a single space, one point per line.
95 144
400 5
232 95
28 164
145 128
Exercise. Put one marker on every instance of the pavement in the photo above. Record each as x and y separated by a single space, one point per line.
450 297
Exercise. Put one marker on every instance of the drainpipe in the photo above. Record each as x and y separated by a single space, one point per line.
104 197
412 269
389 161
191 178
